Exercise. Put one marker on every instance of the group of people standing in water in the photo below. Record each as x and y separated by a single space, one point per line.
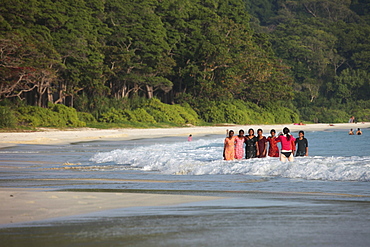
259 146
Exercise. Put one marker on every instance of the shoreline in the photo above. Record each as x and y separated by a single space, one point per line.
21 205
55 137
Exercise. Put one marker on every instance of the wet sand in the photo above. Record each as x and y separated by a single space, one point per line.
23 205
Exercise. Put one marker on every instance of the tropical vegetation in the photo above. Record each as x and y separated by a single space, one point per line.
183 62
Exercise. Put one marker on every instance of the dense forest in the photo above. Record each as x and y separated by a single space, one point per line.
68 63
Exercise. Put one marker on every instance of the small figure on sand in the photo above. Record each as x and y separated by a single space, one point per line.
229 146
351 119
358 132
286 145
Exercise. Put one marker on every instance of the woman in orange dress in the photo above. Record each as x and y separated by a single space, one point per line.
229 146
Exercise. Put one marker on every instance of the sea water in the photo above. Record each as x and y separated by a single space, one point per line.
334 156
319 200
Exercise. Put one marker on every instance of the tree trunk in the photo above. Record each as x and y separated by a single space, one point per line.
150 91
50 95
62 87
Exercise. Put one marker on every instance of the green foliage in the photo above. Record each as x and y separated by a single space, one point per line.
362 115
86 117
122 116
7 117
158 115
282 114
113 116
172 113
324 115
98 56
327 47
59 116
68 115
240 112
142 116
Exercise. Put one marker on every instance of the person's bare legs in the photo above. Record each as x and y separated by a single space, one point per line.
282 157
291 158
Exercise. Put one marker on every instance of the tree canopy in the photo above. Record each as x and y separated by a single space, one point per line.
88 54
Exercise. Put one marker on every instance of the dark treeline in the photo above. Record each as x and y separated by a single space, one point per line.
326 43
261 57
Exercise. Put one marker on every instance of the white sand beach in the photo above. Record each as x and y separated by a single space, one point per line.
54 137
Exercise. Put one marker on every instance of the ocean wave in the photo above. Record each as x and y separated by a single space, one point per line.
205 157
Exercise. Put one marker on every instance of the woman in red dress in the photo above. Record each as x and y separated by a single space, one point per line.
262 144
273 147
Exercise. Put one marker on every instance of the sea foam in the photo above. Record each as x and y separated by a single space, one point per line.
204 157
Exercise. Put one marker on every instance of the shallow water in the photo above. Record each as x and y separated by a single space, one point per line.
320 200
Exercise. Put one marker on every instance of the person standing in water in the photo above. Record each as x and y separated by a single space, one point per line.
273 147
190 138
262 144
251 149
358 132
229 146
350 132
302 143
239 143
286 145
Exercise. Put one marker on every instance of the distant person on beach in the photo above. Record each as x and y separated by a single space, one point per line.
302 145
286 145
239 145
358 132
351 132
273 147
262 144
251 147
190 138
351 119
229 146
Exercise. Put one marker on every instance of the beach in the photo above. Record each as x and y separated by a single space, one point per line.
55 137
22 205
143 179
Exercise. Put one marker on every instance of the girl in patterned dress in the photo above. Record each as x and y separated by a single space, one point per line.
239 145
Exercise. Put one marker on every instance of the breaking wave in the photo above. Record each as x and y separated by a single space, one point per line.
204 157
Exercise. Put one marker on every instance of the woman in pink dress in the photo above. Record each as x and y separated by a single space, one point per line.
229 146
273 147
239 145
